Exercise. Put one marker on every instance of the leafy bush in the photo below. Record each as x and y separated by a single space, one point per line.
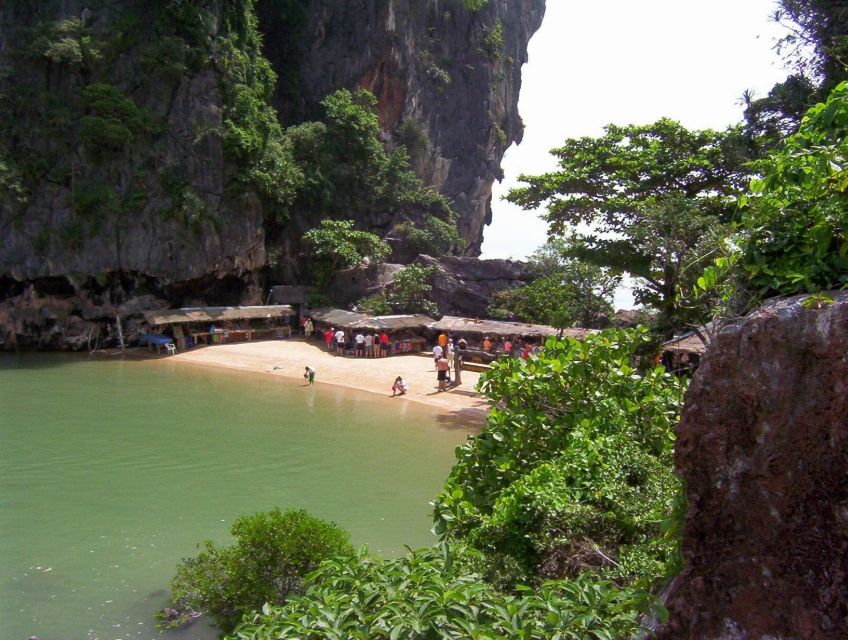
435 593
272 554
796 221
433 237
577 448
337 245
374 305
114 120
410 289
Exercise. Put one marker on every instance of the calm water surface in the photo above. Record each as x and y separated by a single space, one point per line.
112 471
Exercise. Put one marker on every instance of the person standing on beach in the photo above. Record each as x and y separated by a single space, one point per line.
309 374
360 345
340 342
437 354
442 369
443 340
307 327
369 345
328 337
384 343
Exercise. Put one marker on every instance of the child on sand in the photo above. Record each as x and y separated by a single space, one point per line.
399 387
309 374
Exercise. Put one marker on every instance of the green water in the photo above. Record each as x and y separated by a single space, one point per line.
111 471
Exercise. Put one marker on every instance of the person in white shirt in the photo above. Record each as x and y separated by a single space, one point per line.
437 353
340 342
369 345
360 344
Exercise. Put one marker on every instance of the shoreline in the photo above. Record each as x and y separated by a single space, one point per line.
288 358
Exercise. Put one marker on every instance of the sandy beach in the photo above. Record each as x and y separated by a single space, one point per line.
287 358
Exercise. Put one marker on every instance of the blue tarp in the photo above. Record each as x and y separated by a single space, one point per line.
154 339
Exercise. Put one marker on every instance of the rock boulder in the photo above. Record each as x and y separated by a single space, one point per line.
763 450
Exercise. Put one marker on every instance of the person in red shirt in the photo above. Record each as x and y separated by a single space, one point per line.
328 337
384 343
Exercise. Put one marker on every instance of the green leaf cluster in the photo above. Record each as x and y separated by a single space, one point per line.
272 554
410 289
573 470
655 197
567 291
335 244
795 222
433 237
435 593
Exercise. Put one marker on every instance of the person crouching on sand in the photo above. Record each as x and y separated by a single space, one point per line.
309 374
399 387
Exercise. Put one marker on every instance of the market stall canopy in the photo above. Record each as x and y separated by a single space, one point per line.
216 314
455 325
688 343
350 320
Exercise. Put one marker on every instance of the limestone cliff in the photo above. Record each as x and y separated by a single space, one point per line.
447 80
129 161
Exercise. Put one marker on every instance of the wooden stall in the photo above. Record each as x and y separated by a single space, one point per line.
191 326
404 331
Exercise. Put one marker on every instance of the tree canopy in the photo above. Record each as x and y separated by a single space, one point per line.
794 223
566 290
651 195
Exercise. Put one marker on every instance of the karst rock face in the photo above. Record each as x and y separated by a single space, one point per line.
96 234
763 450
443 74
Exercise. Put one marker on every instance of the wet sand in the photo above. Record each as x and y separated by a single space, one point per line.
287 358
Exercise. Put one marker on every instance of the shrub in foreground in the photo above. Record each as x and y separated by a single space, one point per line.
272 554
435 593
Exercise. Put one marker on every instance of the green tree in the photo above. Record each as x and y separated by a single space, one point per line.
794 224
272 554
335 245
410 289
566 290
574 465
637 186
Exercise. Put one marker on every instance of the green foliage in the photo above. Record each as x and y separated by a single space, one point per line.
649 192
434 70
409 291
65 42
113 119
794 223
493 41
335 245
374 305
433 237
253 139
473 5
272 554
435 594
566 291
576 456
346 169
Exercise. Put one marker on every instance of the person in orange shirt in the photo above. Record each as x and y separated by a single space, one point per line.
443 340
487 344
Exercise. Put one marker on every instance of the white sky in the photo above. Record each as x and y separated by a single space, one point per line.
594 62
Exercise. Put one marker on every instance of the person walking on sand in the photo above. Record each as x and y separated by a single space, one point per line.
309 374
442 370
399 387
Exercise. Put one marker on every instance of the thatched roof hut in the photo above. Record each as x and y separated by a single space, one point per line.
474 328
215 314
349 320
